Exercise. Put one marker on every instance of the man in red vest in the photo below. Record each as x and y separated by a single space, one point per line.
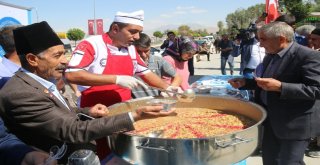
103 65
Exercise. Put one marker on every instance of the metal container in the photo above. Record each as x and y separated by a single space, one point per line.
220 150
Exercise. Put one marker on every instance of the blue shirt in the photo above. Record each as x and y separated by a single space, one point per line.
12 150
49 85
7 70
300 39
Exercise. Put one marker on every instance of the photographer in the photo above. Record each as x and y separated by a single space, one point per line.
251 52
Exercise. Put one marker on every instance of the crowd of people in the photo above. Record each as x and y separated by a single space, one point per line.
278 64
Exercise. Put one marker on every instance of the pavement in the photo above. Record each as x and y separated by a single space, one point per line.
212 67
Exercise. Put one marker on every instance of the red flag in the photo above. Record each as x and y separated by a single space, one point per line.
99 26
90 27
272 10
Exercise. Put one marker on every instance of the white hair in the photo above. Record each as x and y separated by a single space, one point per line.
277 29
305 30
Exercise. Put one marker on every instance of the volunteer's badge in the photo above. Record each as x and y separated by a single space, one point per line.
46 91
103 62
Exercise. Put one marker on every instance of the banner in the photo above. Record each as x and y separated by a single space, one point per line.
12 15
91 27
99 23
272 10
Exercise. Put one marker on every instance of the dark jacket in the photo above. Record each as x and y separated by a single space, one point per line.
223 44
38 118
12 150
294 113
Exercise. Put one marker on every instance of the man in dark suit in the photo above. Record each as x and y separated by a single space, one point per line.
289 89
33 108
15 152
169 41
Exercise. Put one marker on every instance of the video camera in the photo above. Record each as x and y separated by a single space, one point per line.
246 34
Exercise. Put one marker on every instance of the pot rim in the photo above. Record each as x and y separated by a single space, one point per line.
263 111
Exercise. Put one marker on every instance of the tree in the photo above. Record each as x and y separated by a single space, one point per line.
200 33
184 30
299 8
242 18
316 6
221 28
75 35
157 34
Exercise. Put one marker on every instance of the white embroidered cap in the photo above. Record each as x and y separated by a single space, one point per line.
135 18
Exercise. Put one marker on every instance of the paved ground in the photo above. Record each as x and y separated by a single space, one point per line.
212 67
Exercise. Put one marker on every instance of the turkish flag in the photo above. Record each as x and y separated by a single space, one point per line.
272 10
99 26
90 27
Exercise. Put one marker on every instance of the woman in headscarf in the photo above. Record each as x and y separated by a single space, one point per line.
178 55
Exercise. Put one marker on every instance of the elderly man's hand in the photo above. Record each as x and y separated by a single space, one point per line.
237 82
269 84
98 110
147 112
36 158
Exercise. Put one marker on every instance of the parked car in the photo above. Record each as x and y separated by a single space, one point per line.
67 45
200 42
156 52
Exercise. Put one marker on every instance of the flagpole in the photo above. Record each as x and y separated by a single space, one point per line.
266 9
94 17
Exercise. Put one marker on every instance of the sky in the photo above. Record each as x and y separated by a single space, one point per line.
63 15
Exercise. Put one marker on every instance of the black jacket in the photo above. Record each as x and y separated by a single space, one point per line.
294 113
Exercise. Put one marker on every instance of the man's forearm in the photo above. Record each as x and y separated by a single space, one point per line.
226 49
89 79
177 79
154 80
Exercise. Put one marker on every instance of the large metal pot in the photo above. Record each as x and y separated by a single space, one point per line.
220 150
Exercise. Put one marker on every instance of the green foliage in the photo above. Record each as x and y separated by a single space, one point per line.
75 34
316 6
184 30
242 18
200 33
299 8
157 34
220 25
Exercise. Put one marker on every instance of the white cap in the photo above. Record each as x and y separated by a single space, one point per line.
135 18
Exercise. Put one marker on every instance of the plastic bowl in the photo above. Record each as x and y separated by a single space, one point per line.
166 103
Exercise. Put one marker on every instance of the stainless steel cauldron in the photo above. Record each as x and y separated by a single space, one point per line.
219 150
